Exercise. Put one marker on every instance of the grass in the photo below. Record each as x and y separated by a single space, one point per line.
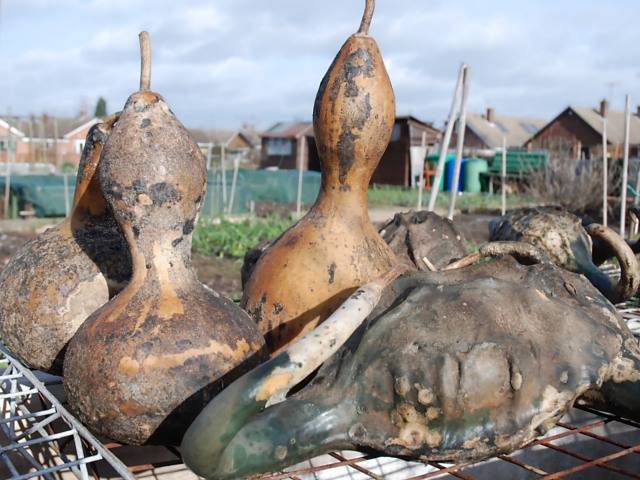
466 202
233 239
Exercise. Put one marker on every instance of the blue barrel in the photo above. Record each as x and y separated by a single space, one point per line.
448 169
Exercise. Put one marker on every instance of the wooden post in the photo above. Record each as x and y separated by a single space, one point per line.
301 161
503 177
444 145
625 167
423 143
65 182
223 169
605 171
462 125
234 181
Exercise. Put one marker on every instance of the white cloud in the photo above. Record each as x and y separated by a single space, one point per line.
221 62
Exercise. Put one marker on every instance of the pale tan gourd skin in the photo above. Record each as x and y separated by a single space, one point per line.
55 281
141 368
317 263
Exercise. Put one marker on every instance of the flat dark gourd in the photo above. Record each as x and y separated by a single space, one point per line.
450 366
143 366
334 248
425 239
568 244
55 281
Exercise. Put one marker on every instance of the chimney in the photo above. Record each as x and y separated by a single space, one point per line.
490 115
604 108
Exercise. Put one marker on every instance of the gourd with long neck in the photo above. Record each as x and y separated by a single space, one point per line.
55 281
144 365
319 261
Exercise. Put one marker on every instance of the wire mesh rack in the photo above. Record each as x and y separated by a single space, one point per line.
39 438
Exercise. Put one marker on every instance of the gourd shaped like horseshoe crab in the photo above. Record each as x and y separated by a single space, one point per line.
457 365
568 244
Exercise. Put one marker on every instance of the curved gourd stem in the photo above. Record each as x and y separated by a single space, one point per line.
519 250
203 446
145 62
366 17
629 268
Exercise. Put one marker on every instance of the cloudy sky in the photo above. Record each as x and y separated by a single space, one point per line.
220 63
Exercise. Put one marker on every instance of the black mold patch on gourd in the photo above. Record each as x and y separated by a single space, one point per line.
112 189
162 193
332 272
176 242
357 63
188 226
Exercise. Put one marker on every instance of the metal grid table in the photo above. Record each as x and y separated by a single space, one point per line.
40 439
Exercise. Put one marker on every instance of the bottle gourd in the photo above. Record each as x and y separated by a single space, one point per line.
143 366
55 281
334 248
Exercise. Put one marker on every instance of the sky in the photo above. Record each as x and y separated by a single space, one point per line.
222 63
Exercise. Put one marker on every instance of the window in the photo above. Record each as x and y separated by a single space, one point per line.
279 146
79 146
3 145
395 134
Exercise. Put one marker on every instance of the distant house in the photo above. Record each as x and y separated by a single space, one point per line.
234 142
485 132
231 139
395 166
45 139
577 133
281 148
12 144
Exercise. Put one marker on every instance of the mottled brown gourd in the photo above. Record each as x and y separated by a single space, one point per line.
55 281
333 249
145 364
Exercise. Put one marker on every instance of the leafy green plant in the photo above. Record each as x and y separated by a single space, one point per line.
233 239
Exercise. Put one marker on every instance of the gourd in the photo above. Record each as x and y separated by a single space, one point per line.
449 366
55 281
568 244
424 239
334 248
141 367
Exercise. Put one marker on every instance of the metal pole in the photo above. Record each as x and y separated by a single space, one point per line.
423 143
605 171
55 142
462 125
302 140
234 181
625 167
209 154
503 176
444 146
223 168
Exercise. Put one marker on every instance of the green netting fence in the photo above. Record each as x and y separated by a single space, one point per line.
45 194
